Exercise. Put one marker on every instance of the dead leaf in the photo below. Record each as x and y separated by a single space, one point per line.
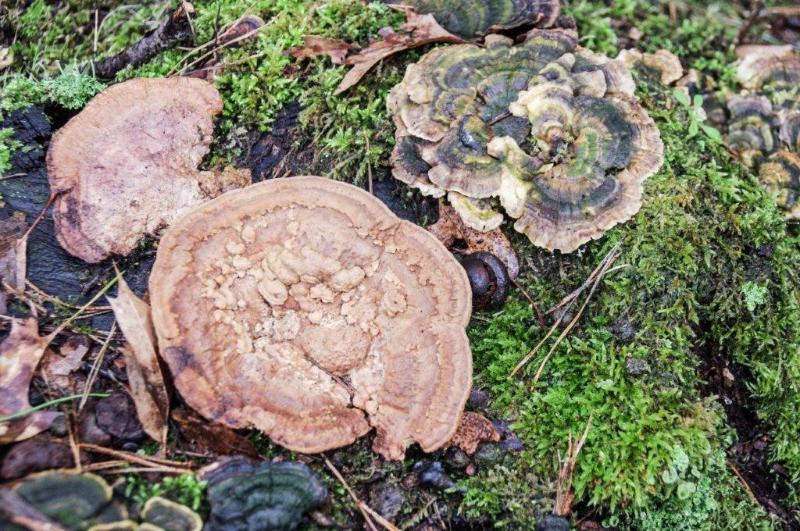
209 437
13 246
20 353
242 29
57 368
418 30
451 231
313 46
473 430
144 372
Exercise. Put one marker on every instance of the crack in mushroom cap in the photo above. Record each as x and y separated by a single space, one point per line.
126 165
473 18
303 307
780 175
569 162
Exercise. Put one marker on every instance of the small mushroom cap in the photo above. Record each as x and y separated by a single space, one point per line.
662 65
765 67
549 129
473 18
750 128
161 513
244 495
780 175
303 307
71 499
126 165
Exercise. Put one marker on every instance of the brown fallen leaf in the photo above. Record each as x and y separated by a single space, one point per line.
57 367
13 247
418 30
144 372
313 46
451 231
211 438
473 430
20 353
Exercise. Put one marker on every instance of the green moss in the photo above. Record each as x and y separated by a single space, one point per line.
185 489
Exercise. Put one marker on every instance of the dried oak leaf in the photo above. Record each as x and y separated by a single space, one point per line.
418 30
451 230
20 353
141 361
57 368
471 19
547 130
473 430
126 166
303 307
247 495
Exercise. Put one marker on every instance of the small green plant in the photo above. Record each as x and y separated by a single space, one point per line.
185 489
697 116
754 294
7 147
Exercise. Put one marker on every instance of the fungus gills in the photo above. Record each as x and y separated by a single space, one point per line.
303 307
547 130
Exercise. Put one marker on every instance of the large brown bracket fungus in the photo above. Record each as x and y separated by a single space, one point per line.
126 166
303 307
549 131
764 125
471 19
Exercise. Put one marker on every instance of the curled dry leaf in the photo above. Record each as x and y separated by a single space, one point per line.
473 430
20 353
303 307
58 367
13 248
313 46
451 230
144 372
126 166
418 30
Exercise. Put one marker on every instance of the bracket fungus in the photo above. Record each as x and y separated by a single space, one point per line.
662 66
764 125
246 495
304 308
160 513
545 128
471 19
126 165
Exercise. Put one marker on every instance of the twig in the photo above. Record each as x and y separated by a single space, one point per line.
530 300
758 5
98 360
566 303
743 481
564 497
218 48
39 216
135 458
366 511
12 176
73 445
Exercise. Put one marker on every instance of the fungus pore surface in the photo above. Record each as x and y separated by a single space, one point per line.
303 307
126 166
547 130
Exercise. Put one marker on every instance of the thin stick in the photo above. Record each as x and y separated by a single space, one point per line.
73 445
12 176
575 319
218 48
369 164
98 360
135 458
352 494
96 24
83 308
40 215
530 300
743 481
754 15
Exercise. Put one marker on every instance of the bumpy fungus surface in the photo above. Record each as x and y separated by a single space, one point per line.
303 307
244 495
764 125
662 66
473 18
126 166
548 130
